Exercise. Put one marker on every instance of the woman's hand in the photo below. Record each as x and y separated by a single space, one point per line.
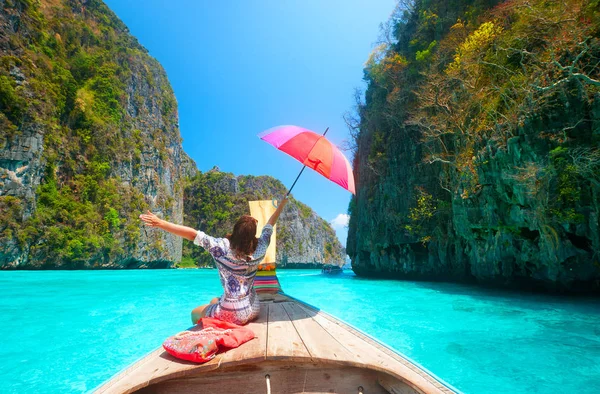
275 215
150 219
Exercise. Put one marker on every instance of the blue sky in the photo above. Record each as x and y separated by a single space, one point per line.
241 67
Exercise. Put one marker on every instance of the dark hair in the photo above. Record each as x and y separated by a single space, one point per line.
243 239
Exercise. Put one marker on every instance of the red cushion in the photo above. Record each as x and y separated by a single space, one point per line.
201 346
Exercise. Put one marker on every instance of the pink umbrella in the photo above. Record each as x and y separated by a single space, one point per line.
314 151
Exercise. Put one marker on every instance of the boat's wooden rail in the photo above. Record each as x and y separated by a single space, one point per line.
289 334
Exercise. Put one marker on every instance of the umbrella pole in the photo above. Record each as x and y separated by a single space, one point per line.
294 184
302 170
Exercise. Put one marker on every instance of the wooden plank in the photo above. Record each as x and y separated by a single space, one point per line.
363 352
394 386
370 355
398 357
283 341
262 210
272 297
254 350
319 343
294 378
157 366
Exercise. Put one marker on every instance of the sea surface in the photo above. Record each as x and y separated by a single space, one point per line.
68 331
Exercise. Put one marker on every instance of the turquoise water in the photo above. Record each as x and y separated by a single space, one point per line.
68 331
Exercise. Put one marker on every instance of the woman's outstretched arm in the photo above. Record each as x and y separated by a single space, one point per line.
275 216
151 220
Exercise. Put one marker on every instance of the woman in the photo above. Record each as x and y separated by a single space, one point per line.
236 257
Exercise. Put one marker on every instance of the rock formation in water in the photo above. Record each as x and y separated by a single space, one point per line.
90 139
478 146
215 200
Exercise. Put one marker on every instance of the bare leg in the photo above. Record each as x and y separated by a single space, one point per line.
199 312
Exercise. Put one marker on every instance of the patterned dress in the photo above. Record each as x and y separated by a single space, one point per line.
239 303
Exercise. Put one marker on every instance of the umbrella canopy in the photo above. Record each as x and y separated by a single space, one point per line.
314 151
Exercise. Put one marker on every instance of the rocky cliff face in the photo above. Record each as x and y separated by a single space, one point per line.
89 140
479 147
215 200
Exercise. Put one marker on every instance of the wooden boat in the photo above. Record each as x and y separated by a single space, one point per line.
297 349
331 269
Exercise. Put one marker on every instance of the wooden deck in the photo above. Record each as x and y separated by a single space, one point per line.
297 346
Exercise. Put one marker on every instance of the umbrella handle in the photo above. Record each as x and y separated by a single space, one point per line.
294 184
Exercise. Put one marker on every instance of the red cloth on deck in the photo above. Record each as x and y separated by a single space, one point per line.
201 346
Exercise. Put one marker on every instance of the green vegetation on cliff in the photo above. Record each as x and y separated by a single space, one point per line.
83 107
478 145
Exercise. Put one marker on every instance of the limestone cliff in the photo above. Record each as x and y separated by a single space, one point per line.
215 200
89 140
479 146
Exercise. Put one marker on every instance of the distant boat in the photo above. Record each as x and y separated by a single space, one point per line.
330 269
297 349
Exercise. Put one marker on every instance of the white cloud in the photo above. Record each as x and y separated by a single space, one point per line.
340 221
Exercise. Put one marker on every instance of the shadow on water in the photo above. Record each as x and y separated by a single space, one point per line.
495 292
584 302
